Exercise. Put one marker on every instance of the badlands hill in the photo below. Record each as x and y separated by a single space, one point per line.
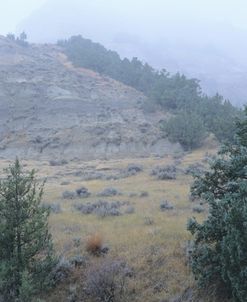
51 110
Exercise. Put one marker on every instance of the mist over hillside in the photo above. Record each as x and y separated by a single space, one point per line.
123 151
199 43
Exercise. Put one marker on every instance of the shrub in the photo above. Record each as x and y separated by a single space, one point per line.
65 183
198 209
62 270
106 211
94 244
78 261
132 194
134 169
84 208
53 207
166 205
144 194
100 208
69 195
108 281
195 169
83 192
165 172
109 192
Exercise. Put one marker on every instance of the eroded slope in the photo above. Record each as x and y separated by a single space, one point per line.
50 109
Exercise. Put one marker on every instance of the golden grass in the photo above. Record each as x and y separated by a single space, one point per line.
156 252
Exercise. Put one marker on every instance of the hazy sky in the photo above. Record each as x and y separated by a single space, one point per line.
12 12
206 39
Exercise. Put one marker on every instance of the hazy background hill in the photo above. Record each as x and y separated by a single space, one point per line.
207 42
50 109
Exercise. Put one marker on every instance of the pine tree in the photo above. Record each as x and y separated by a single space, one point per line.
23 36
26 253
219 258
186 128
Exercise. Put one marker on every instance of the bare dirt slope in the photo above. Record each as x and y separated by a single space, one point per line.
50 109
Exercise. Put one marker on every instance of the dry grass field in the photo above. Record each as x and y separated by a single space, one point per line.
151 241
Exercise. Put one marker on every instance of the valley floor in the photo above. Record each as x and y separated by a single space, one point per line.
151 241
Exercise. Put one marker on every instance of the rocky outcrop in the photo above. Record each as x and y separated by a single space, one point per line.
50 109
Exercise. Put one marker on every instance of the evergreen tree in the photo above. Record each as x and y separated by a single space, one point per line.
174 93
10 36
26 254
186 128
22 40
23 36
219 258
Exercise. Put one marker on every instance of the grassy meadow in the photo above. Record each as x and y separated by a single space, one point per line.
151 241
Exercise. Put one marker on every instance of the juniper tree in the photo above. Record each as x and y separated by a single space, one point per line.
26 253
219 258
186 128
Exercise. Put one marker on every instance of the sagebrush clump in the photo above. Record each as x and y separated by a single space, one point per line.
108 281
165 172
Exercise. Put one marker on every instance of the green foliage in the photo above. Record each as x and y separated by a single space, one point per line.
218 116
167 90
185 128
26 288
85 53
175 92
171 92
220 254
26 254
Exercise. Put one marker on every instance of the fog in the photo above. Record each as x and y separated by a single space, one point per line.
203 39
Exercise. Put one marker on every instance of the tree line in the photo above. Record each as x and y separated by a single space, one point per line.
175 93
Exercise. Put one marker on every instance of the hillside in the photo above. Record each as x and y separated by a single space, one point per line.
87 135
53 110
210 49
